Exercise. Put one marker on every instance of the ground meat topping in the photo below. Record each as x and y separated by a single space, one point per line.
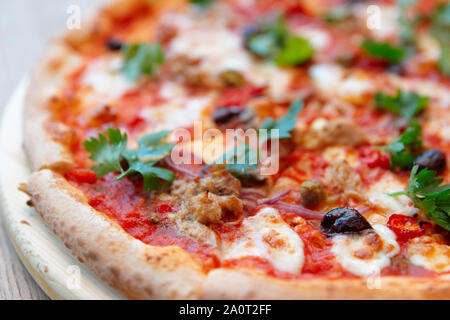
324 133
204 201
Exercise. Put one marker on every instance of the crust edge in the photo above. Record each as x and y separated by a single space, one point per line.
150 272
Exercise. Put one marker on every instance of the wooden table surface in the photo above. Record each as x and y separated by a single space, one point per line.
25 28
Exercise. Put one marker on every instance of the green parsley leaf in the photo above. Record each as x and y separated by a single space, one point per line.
141 59
109 153
201 3
106 151
384 51
285 124
274 41
295 51
404 104
244 158
407 24
427 193
440 29
404 149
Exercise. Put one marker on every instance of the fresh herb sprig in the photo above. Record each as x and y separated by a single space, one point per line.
202 3
274 41
407 23
141 59
404 104
244 157
404 149
111 155
384 51
429 195
440 29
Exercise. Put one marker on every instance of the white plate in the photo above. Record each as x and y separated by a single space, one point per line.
50 263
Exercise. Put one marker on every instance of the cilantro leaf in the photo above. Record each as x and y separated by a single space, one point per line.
403 150
244 158
440 29
384 51
429 195
201 3
149 173
141 59
274 41
407 23
295 51
110 152
285 124
404 104
106 151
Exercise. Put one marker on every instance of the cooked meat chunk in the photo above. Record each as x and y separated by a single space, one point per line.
192 72
204 201
219 182
323 133
208 207
312 193
342 179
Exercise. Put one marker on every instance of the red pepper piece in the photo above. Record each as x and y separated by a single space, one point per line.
405 227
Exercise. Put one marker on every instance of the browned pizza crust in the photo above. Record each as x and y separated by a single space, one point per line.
139 270
41 140
246 284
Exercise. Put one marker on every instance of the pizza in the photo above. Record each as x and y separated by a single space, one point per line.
334 184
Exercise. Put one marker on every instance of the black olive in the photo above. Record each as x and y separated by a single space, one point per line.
344 220
124 163
224 115
432 159
396 68
114 44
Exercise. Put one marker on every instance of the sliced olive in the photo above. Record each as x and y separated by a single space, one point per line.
312 193
432 160
249 179
344 220
114 44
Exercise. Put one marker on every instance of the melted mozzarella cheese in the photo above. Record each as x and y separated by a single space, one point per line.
172 115
179 110
277 80
330 80
318 38
345 248
104 77
378 194
267 236
326 76
338 153
430 255
218 49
